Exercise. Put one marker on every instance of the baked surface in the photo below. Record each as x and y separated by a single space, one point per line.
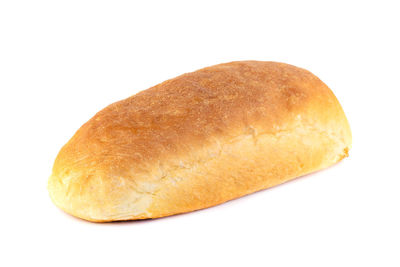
199 140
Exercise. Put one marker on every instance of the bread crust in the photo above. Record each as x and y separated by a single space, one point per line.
199 140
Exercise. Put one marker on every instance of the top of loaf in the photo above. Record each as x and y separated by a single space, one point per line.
190 110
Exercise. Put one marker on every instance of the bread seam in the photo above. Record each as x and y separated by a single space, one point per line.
277 135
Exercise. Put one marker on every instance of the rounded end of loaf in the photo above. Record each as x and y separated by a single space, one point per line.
96 199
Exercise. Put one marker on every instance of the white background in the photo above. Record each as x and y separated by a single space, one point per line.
62 61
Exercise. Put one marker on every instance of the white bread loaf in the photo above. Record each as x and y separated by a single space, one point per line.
199 140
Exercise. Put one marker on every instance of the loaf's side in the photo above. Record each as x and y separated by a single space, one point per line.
199 140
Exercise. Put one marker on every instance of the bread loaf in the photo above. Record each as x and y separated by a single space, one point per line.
199 140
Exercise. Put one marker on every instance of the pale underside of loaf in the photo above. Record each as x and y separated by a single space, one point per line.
199 140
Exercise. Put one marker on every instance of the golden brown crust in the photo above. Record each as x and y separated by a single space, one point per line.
198 140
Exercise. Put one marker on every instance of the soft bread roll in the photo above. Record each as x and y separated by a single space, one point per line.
199 140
